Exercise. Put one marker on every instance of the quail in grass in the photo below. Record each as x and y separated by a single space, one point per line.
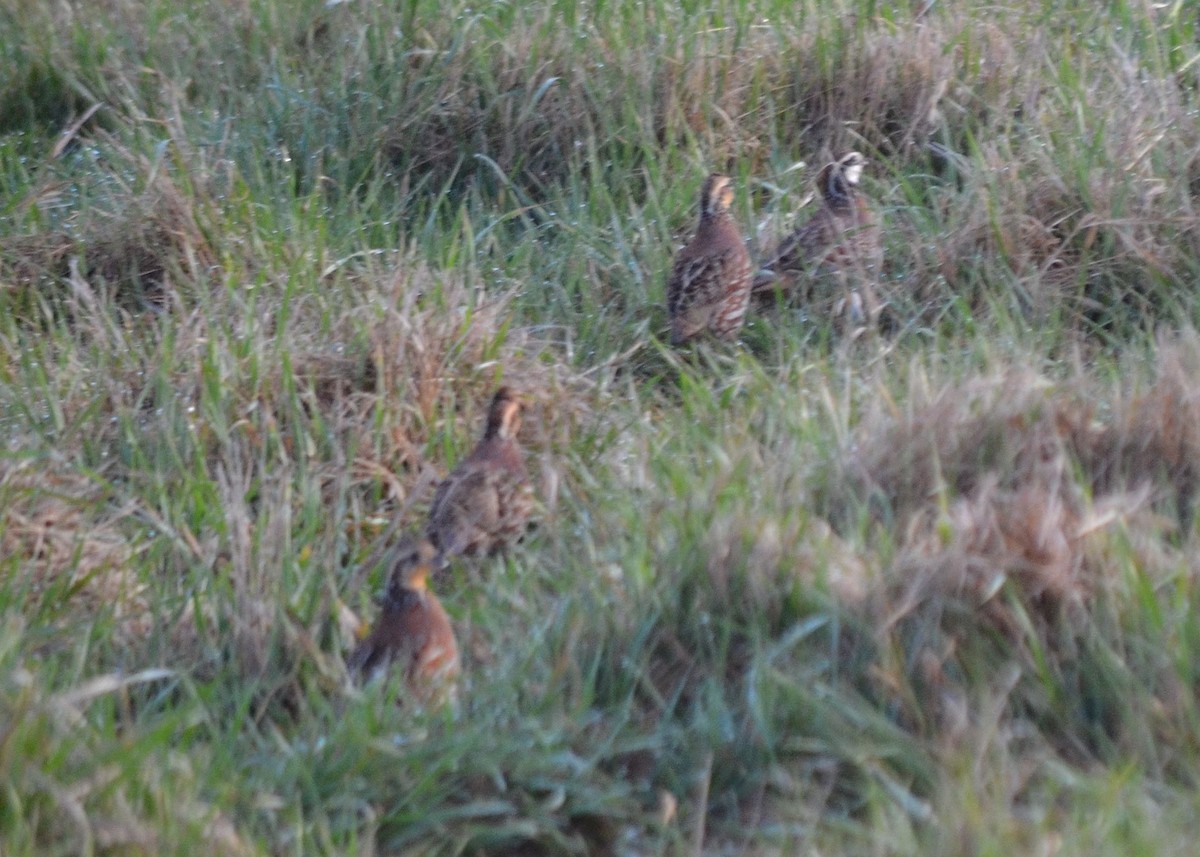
842 237
413 632
709 287
486 501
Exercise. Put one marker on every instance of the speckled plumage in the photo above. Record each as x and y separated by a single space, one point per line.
486 501
842 237
709 286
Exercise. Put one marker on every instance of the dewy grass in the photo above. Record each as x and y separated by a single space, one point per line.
930 591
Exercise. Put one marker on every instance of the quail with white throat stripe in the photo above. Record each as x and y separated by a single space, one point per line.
842 237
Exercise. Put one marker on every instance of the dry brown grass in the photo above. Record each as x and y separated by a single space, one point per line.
944 441
137 246
26 260
1152 436
65 535
531 107
1012 427
1015 509
150 242
1090 223
436 348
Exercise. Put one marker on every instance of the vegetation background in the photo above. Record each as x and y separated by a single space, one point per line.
262 263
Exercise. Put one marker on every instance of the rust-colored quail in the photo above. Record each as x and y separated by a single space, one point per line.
842 237
413 632
709 287
485 503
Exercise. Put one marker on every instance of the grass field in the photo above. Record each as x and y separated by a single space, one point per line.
262 264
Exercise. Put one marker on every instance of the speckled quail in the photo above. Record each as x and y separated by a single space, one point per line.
709 287
842 237
486 501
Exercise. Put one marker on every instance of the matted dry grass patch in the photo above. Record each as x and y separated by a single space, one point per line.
1020 512
62 533
1015 471
1152 436
735 92
137 245
421 346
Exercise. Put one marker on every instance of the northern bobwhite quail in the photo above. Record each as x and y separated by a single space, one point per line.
413 632
485 503
842 237
709 287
